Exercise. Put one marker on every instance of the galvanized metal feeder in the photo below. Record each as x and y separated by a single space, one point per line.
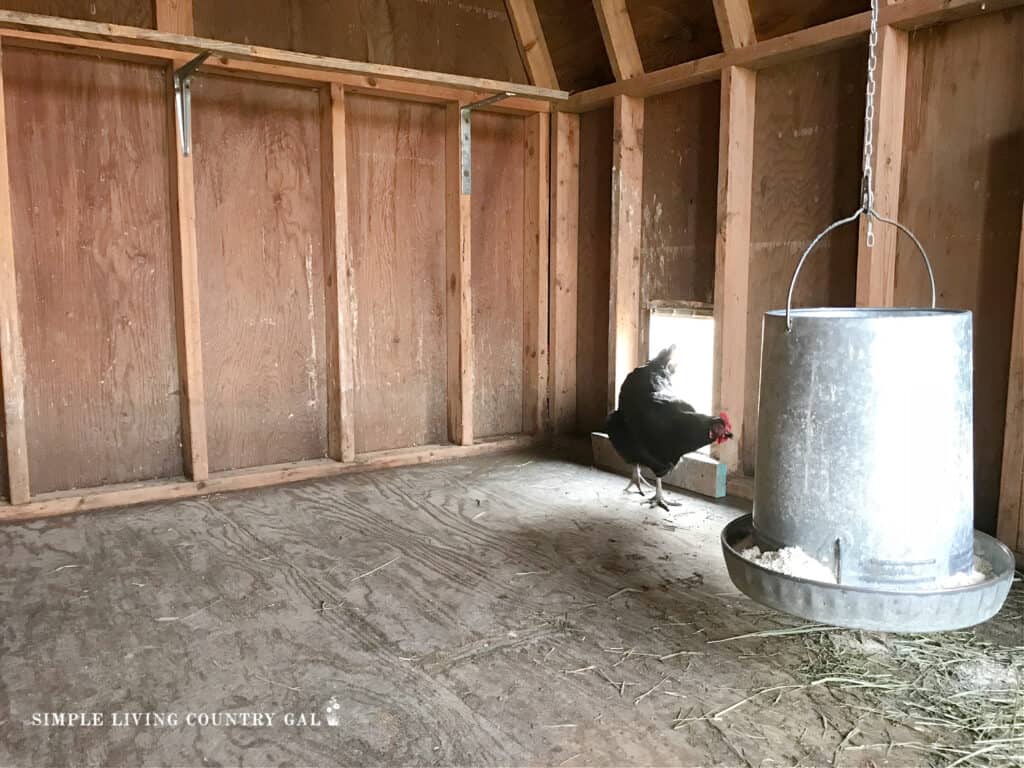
865 460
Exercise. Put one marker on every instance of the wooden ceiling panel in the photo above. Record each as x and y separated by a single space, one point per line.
669 32
574 40
779 17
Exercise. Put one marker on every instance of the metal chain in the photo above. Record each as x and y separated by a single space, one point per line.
868 183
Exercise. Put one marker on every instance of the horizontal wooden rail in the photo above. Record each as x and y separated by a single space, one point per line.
911 14
270 62
67 502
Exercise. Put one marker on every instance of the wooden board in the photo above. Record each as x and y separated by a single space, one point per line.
498 273
773 18
396 159
593 281
463 37
808 133
134 13
89 181
680 190
962 196
532 44
259 226
669 32
619 38
574 41
695 472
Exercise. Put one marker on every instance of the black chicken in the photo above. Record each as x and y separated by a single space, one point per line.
652 428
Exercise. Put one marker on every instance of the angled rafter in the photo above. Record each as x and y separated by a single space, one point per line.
735 23
530 36
619 39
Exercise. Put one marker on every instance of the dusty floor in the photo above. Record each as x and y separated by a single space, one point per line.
499 611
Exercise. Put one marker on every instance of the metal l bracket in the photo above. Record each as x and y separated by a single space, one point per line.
466 136
183 101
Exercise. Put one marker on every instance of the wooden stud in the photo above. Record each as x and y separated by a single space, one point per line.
340 335
68 502
876 267
535 325
732 251
619 39
565 210
459 240
171 46
186 307
627 198
735 23
12 354
1010 522
174 16
530 36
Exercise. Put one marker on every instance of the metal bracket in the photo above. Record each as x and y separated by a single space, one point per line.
183 101
466 136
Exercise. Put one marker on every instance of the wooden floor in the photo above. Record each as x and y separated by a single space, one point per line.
474 613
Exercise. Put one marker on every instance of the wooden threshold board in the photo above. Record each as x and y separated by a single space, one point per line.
695 472
67 502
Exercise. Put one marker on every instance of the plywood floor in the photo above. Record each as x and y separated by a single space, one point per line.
474 613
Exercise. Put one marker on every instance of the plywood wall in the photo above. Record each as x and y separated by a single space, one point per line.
963 188
680 194
779 17
498 273
670 32
574 41
89 182
463 37
807 137
594 269
259 229
397 229
135 13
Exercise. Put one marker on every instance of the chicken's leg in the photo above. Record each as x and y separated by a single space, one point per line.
659 500
638 480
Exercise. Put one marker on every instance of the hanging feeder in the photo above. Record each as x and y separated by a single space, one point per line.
865 460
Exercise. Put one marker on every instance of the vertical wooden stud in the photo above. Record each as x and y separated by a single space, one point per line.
12 354
876 266
535 325
1010 523
627 197
565 204
732 251
174 16
458 229
186 309
341 439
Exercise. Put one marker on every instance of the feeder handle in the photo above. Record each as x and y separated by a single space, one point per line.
870 213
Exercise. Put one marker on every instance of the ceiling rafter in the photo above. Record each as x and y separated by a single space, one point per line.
530 36
735 23
619 38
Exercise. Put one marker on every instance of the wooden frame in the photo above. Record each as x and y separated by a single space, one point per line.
619 40
459 242
174 16
535 326
565 209
732 251
735 23
876 266
532 44
627 204
1010 521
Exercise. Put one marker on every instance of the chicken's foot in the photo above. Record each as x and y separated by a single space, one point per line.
659 500
638 480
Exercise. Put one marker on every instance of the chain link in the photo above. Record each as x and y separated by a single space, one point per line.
868 182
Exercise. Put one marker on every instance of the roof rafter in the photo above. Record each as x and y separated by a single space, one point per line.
534 47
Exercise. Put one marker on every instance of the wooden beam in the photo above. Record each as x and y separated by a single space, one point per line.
735 23
627 198
12 354
535 239
1010 522
619 39
174 16
876 267
341 439
565 213
123 38
530 36
732 252
69 502
186 305
459 260
915 14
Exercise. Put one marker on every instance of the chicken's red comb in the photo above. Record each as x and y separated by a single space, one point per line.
725 417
